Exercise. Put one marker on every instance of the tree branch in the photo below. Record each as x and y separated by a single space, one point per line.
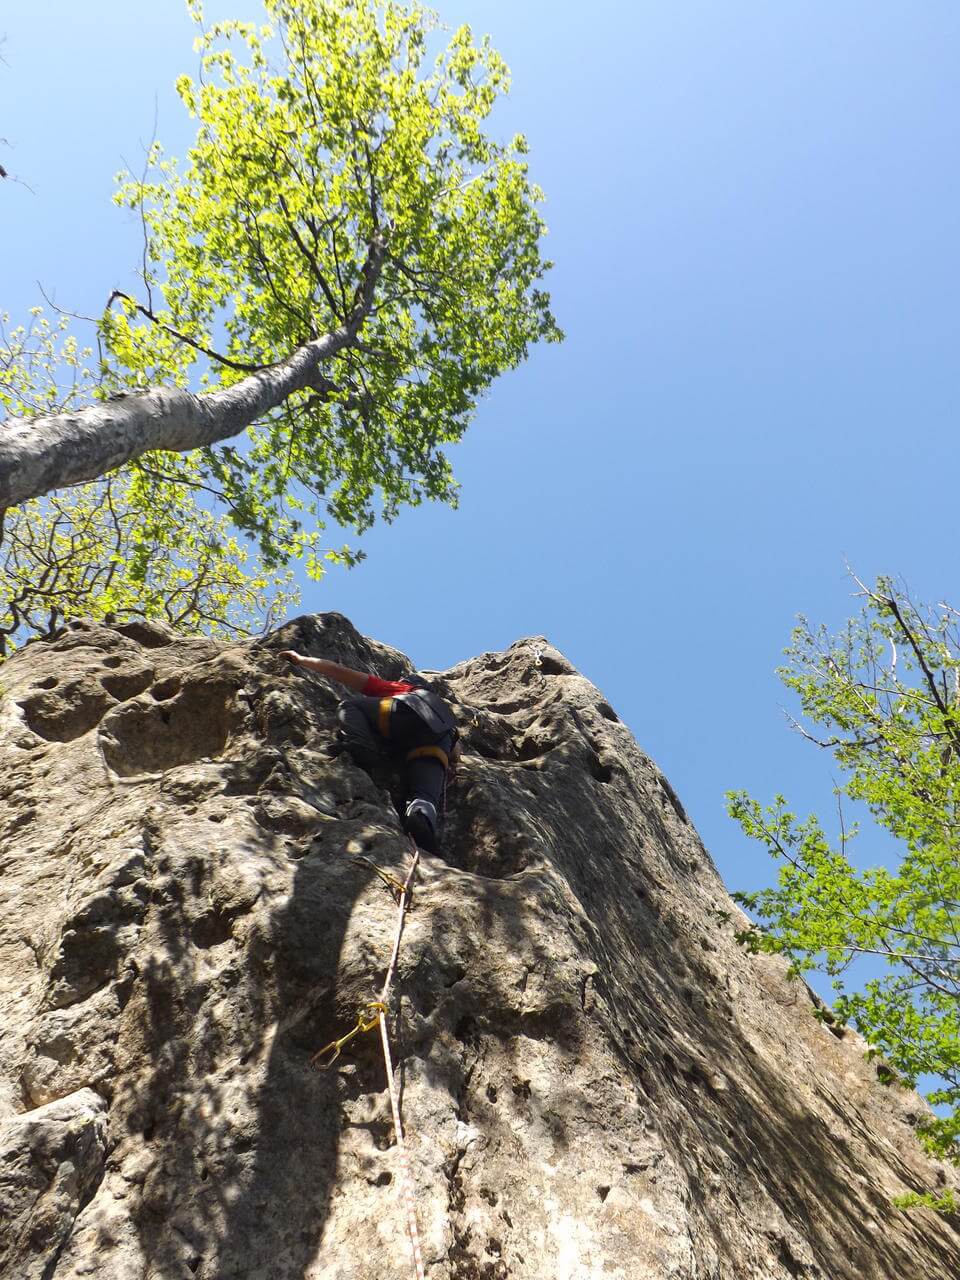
182 337
41 454
310 257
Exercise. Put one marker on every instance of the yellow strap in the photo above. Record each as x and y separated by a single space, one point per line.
437 753
385 705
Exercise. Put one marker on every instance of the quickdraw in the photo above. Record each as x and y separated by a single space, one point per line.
392 883
364 1023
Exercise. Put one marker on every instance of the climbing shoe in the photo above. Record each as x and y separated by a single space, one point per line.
420 822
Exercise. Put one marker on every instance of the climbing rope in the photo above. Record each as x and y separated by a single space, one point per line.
374 1014
406 1176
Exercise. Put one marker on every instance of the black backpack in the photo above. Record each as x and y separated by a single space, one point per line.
431 709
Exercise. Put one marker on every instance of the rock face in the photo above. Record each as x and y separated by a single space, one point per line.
596 1081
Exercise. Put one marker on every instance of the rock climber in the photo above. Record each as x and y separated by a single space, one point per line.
396 716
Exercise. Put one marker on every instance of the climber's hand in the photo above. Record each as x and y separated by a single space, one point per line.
291 655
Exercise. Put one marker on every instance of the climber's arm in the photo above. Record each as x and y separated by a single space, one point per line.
355 680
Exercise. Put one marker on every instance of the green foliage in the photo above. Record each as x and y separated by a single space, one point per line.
885 694
946 1202
89 552
319 135
132 543
43 368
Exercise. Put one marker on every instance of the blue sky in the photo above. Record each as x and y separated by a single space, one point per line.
753 211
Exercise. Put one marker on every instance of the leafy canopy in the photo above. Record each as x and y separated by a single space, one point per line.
886 695
321 134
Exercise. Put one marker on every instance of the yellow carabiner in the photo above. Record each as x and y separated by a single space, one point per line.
364 1023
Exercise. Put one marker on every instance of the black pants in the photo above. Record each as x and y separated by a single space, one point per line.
360 721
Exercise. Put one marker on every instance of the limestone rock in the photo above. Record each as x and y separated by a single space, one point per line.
597 1082
51 1162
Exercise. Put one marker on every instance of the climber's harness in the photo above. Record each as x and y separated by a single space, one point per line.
437 753
386 706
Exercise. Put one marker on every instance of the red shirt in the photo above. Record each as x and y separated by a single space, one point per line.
377 688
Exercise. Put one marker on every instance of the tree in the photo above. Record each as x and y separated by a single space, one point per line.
886 692
341 268
86 552
130 543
